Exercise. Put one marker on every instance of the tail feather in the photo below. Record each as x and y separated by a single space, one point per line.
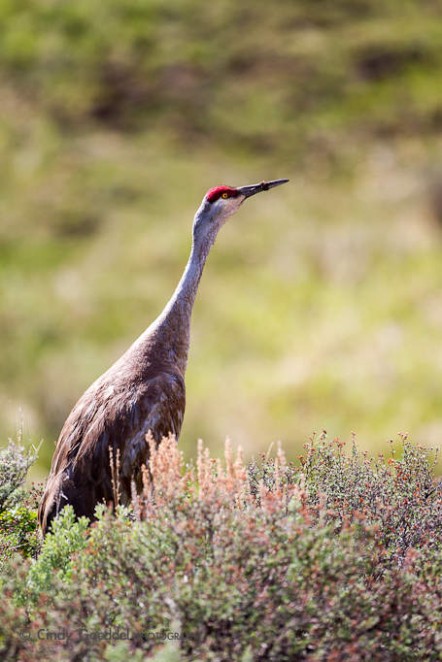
62 490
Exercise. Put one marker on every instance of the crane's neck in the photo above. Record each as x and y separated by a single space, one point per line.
170 333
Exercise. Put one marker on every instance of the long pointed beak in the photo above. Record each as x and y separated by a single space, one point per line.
252 189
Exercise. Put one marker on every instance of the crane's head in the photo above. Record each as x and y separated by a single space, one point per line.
222 201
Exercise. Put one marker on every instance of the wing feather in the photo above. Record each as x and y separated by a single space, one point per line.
112 414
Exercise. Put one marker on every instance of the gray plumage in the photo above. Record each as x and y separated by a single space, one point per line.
142 392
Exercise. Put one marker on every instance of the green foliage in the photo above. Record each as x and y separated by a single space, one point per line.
18 517
266 561
18 527
54 563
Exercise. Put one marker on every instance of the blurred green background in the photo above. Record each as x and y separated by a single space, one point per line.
321 305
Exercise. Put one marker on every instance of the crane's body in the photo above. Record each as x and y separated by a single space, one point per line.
142 392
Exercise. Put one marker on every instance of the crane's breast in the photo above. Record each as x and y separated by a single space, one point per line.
159 409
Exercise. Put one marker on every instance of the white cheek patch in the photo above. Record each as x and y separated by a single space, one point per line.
232 204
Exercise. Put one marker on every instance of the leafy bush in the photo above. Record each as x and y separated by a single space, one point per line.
19 528
18 517
14 465
55 560
337 559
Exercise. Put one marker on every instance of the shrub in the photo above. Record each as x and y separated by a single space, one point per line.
337 559
18 517
14 464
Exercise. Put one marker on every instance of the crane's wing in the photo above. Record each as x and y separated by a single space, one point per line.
111 415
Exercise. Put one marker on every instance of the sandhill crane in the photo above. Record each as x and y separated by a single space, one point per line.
142 392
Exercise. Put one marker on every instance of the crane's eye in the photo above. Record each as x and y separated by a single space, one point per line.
225 195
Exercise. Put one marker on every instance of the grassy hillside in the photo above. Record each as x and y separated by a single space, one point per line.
320 306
